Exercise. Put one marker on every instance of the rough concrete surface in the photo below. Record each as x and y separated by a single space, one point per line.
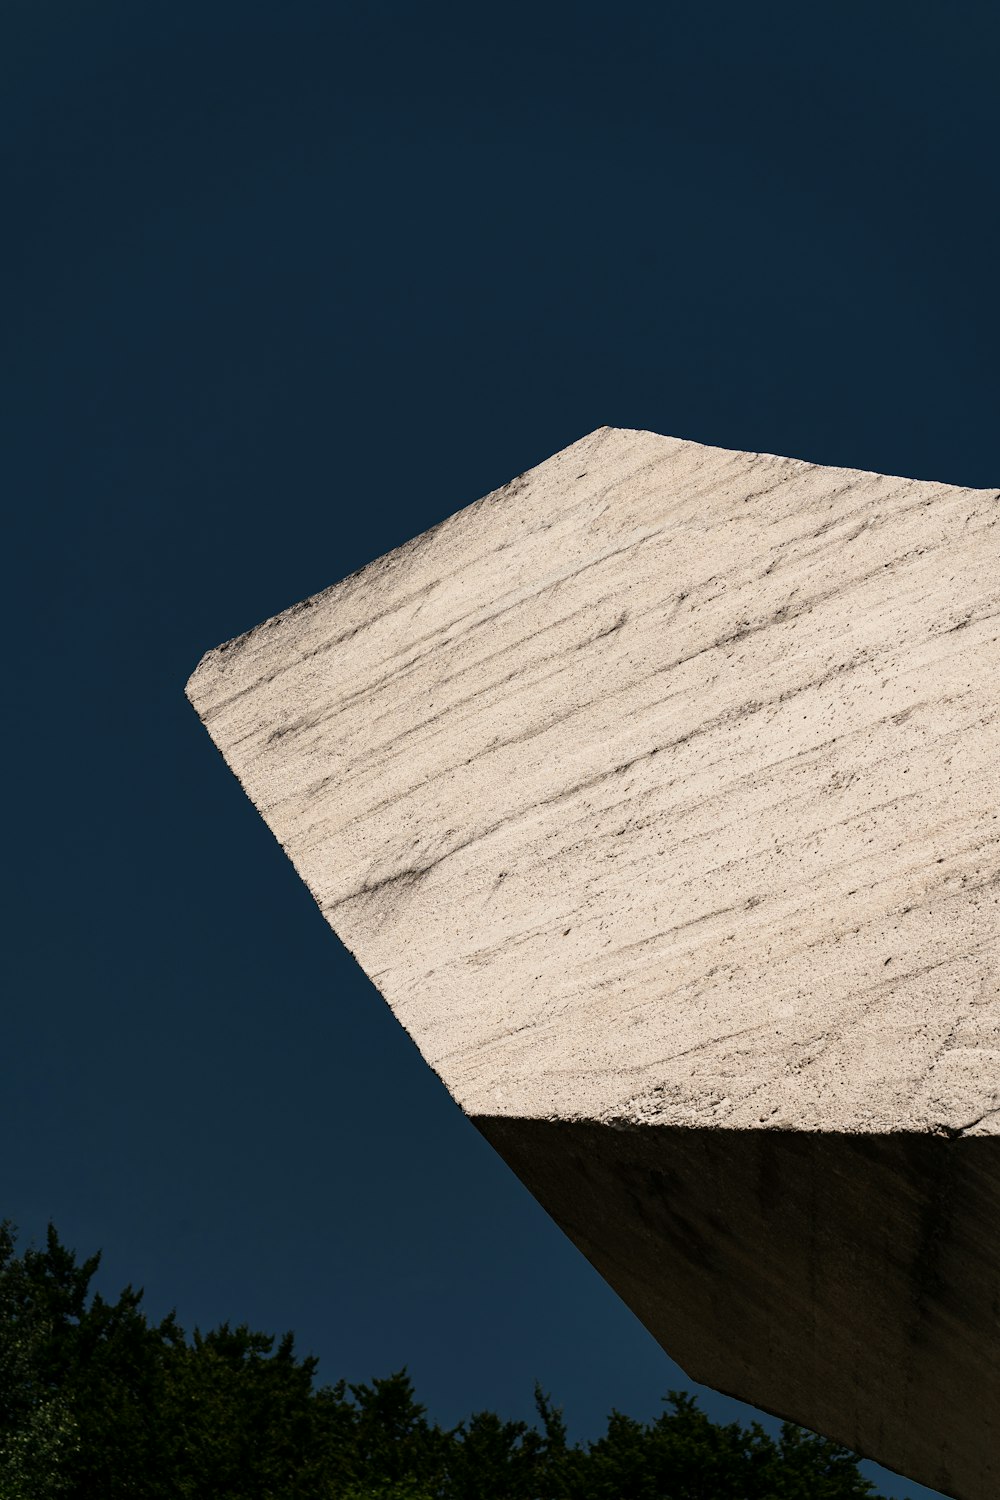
658 794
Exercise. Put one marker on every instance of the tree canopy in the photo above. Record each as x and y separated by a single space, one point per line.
99 1403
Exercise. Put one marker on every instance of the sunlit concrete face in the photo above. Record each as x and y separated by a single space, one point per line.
658 794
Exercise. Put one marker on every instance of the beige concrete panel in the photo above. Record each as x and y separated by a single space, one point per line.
661 784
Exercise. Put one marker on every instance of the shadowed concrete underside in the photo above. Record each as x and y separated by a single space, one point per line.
768 1263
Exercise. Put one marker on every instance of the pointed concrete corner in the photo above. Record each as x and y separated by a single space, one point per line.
658 794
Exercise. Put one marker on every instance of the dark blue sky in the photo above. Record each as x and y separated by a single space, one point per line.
286 284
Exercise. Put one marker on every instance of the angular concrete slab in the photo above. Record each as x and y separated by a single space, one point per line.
658 794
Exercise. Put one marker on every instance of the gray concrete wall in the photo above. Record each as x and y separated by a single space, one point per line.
658 794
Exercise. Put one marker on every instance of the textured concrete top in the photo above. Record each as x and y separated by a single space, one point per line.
661 784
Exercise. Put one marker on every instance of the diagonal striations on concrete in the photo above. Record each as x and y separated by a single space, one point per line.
658 793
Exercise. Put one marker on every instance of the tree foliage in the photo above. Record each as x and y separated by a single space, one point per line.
98 1403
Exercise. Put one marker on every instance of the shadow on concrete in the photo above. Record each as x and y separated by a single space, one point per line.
847 1282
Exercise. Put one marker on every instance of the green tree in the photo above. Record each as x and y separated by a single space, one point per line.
237 1417
37 1429
685 1456
97 1403
92 1370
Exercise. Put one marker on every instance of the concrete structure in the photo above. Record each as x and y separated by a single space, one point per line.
658 794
